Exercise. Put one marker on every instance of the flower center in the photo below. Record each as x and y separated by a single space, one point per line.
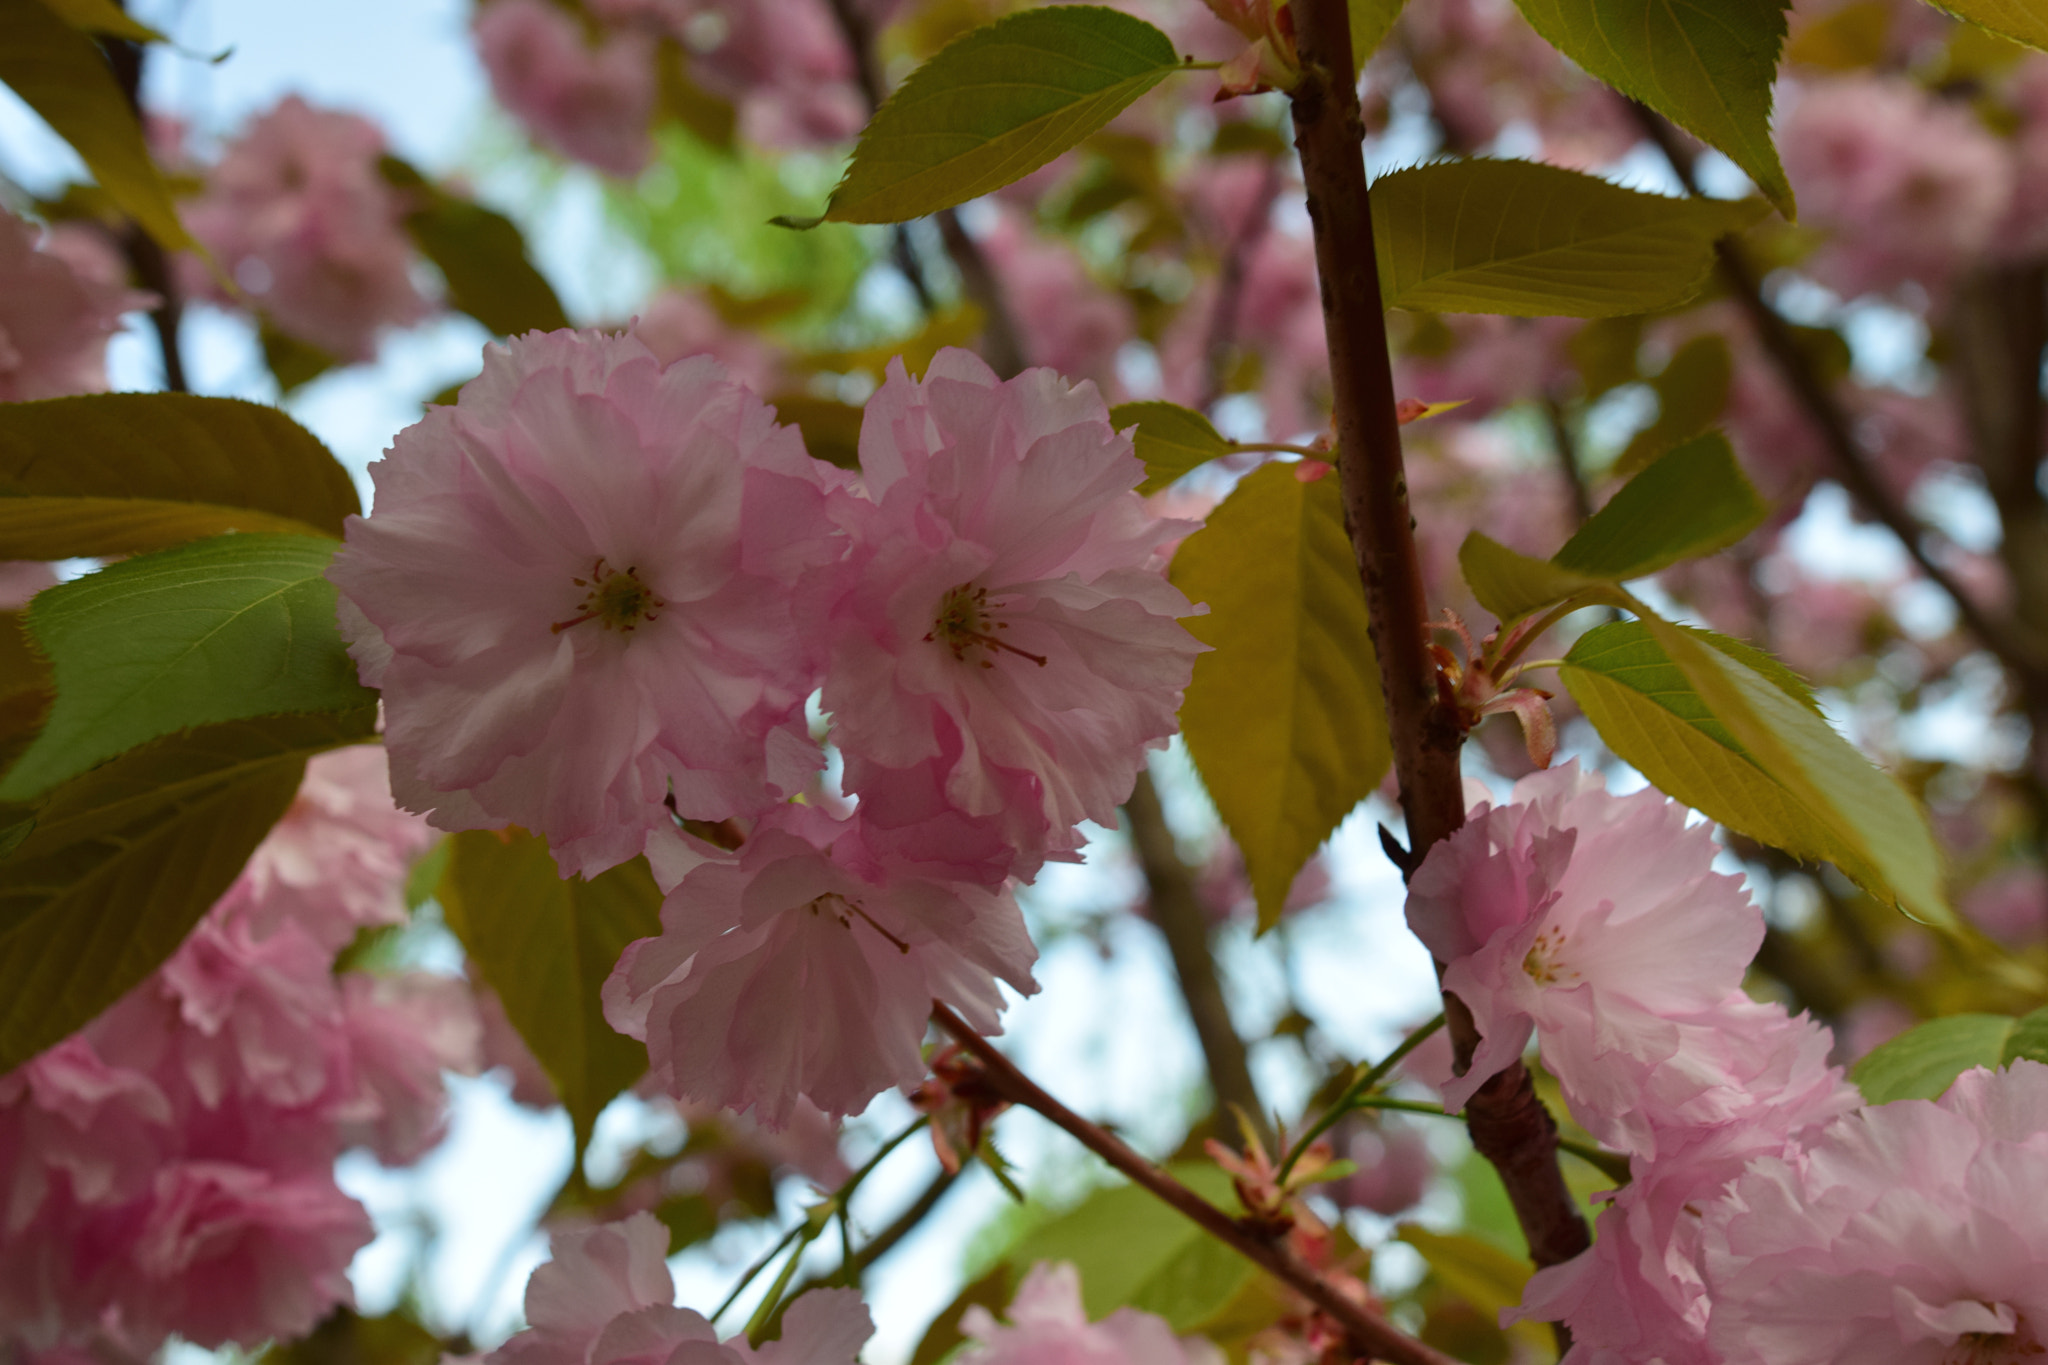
1543 962
846 911
964 622
2017 1347
616 600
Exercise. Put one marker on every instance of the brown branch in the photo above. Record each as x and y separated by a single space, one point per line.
146 259
1507 1122
1372 1337
1178 911
1223 319
1002 343
2018 647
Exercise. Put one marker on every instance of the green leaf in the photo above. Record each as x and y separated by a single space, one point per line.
995 105
1480 1273
345 1337
2029 1039
480 255
122 862
2023 21
118 473
1133 1251
292 362
1690 502
1511 584
1530 240
1924 1061
546 945
103 16
58 72
25 691
1604 352
1692 392
711 118
1697 716
218 630
831 429
1371 22
1284 718
1171 440
1707 65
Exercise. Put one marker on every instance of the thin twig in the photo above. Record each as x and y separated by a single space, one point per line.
1361 1086
1371 1335
1509 1125
1223 318
1183 922
152 269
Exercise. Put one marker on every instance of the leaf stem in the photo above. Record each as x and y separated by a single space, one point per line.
1371 1336
1362 1085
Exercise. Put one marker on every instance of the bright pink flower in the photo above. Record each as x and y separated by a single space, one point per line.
300 214
1002 610
593 105
1587 919
69 1114
1048 1326
575 595
55 319
803 968
1910 1233
607 1299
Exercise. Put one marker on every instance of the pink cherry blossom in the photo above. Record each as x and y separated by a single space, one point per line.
1909 1233
1002 610
1048 1326
1069 322
607 1299
55 318
1587 919
299 213
676 323
403 1031
785 64
575 594
590 104
803 967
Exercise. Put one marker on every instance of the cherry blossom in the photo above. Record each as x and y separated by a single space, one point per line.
1002 610
1587 919
299 213
607 1299
1908 1232
805 967
1048 1323
575 595
55 318
590 104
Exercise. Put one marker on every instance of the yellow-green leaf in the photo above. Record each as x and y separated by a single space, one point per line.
122 862
480 254
2023 21
1171 439
1692 393
1690 502
1925 1060
1707 66
58 72
546 945
1511 584
218 630
1371 22
1284 718
120 473
1706 725
1530 240
995 105
1481 1274
103 16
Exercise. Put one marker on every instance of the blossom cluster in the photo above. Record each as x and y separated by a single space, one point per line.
169 1170
598 592
1768 1217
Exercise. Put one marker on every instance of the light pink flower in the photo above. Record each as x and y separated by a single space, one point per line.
300 214
802 967
1910 1233
403 1031
785 64
675 323
1002 611
1587 919
1048 1326
1911 185
607 1299
593 105
1069 322
575 595
55 318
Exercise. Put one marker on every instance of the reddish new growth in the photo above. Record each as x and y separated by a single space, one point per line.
618 601
961 1103
1480 685
963 622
